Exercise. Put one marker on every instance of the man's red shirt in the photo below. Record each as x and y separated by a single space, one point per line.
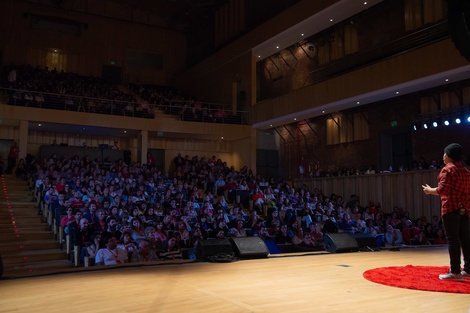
454 187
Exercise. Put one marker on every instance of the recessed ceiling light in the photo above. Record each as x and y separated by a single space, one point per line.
302 34
295 119
397 92
447 79
259 56
323 112
125 132
365 2
39 124
222 137
277 47
358 102
331 20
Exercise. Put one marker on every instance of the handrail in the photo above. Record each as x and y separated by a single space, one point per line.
178 109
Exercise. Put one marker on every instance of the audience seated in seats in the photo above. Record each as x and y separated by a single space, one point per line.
82 237
138 231
316 235
429 233
393 237
146 252
67 219
347 224
258 200
282 236
298 237
112 227
371 229
410 232
100 225
241 229
440 238
111 254
126 244
420 239
94 246
170 250
137 203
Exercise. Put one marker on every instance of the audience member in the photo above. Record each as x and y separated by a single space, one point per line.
393 236
111 255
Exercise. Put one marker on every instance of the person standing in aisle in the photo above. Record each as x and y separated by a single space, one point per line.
12 157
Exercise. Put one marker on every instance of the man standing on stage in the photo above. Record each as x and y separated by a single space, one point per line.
453 187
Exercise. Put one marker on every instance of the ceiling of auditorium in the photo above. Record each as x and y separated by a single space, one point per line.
181 11
173 13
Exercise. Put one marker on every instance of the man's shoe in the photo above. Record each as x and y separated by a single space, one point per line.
451 276
465 274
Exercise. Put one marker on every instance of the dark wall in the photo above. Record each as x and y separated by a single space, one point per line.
93 153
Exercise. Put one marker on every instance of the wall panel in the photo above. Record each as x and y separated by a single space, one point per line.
389 189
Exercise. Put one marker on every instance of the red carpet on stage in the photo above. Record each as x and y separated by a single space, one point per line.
424 278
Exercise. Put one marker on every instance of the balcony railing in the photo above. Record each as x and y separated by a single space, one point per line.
177 109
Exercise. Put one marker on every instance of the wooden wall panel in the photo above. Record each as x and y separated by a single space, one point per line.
102 40
405 67
389 189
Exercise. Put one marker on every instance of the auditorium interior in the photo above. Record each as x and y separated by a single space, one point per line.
346 96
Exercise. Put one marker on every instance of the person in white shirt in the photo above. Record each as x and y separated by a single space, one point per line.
111 255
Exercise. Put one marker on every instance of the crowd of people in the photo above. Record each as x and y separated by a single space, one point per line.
120 212
175 102
314 169
53 89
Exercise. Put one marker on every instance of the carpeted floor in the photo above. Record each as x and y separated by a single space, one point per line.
424 278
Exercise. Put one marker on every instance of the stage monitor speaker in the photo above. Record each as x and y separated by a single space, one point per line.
340 242
365 241
249 247
214 247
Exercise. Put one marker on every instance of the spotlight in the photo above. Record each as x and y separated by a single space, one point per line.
425 125
446 123
435 124
468 119
416 126
457 120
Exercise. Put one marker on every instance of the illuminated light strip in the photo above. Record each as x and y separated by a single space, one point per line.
13 219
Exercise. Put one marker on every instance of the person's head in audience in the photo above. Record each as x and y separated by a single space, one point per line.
150 233
112 222
136 225
126 237
110 242
220 234
92 207
84 224
171 244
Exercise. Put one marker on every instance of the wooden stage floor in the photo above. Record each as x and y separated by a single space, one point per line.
320 282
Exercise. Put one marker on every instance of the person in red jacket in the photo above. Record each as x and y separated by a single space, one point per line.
258 200
410 232
12 157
